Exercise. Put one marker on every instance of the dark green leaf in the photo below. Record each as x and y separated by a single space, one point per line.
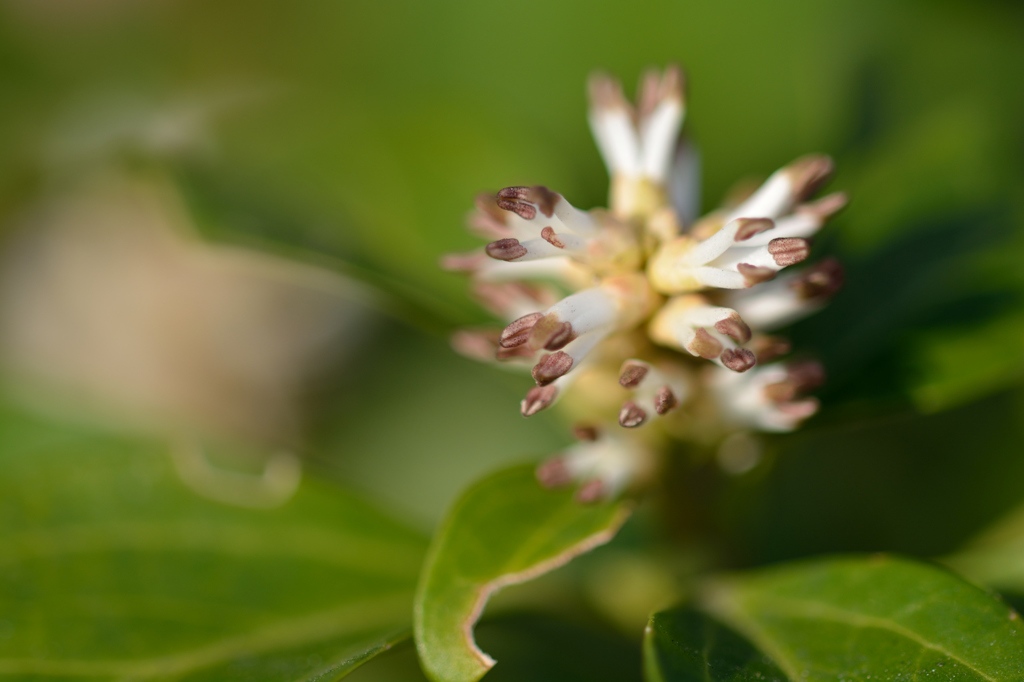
545 649
879 618
683 645
531 648
111 569
504 530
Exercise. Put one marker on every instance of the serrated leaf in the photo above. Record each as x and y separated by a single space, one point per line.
111 569
504 530
878 618
684 645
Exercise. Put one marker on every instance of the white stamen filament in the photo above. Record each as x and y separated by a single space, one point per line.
607 459
575 221
743 401
616 140
539 249
644 393
721 242
774 304
682 319
658 135
586 310
718 279
772 200
757 256
799 224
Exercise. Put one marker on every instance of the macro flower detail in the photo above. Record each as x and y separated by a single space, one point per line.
645 319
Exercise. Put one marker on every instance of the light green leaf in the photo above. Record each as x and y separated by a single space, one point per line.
111 569
504 530
684 645
879 618
996 557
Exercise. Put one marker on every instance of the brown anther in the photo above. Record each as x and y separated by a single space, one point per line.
780 392
631 415
488 220
768 348
544 198
537 399
513 193
462 262
755 274
553 473
735 328
673 82
501 297
561 338
752 226
477 344
801 409
632 373
705 345
518 332
664 400
825 207
548 233
551 333
806 375
606 93
655 87
591 491
523 351
585 432
648 93
820 282
505 249
551 367
487 203
738 360
514 199
789 250
808 174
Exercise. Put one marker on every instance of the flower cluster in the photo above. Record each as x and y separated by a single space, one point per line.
642 313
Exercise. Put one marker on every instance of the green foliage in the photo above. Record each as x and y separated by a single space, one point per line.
503 530
872 618
112 570
684 645
996 557
358 135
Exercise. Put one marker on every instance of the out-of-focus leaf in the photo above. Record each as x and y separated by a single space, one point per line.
878 618
996 557
905 483
111 569
684 645
940 165
996 361
543 649
533 648
504 530
420 468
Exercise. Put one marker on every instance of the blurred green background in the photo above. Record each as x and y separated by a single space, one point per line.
343 142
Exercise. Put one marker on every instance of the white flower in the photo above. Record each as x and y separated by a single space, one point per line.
651 292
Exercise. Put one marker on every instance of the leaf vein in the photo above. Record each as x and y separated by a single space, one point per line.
815 610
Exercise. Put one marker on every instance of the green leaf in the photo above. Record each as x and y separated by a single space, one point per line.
111 569
506 529
541 648
684 645
879 618
996 557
